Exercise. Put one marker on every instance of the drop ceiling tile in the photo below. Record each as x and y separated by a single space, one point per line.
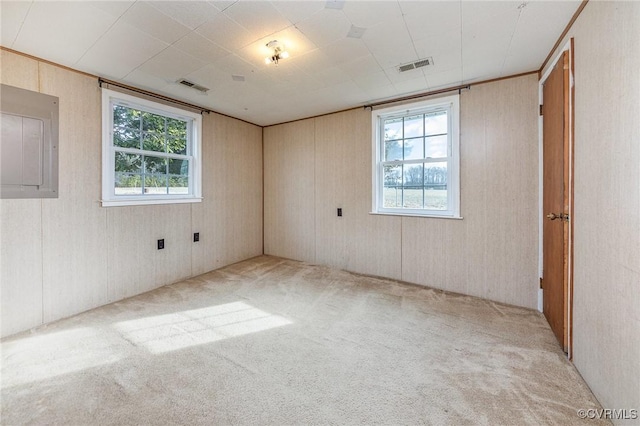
535 33
191 14
296 11
331 76
487 11
481 70
200 47
313 61
171 64
221 4
381 92
428 19
234 64
387 36
372 81
415 85
226 33
12 15
325 27
155 23
144 80
367 14
346 50
445 79
260 18
360 67
443 43
115 8
114 55
51 30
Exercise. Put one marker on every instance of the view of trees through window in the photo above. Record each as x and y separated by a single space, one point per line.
151 153
415 161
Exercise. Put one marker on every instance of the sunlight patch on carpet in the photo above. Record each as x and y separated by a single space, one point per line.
54 354
170 332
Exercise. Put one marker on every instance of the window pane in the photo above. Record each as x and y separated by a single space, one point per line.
413 126
178 167
152 122
392 190
393 150
436 123
177 146
177 128
126 117
178 184
155 184
126 138
413 149
393 129
128 184
435 186
153 142
413 185
437 146
155 165
128 162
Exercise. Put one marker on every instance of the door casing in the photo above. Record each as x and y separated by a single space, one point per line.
568 47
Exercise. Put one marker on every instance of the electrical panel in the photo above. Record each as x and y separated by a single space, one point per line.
28 144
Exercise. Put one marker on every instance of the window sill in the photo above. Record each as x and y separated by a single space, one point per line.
430 216
154 201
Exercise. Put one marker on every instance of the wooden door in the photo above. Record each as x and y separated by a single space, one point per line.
555 233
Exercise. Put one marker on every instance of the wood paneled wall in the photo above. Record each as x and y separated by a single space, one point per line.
491 253
606 220
62 256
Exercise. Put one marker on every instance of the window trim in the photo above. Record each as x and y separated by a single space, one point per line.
451 102
109 199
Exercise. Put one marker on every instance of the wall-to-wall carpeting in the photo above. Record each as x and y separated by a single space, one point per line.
273 341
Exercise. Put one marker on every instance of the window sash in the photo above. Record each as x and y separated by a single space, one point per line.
168 193
451 160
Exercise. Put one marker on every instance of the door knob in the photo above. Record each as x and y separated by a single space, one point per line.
561 216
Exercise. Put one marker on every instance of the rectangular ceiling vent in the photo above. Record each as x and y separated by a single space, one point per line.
193 85
414 65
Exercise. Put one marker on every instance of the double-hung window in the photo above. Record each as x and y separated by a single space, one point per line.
150 152
416 159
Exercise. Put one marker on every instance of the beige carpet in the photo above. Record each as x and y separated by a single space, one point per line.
276 342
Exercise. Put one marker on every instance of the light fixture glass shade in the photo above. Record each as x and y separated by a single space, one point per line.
284 55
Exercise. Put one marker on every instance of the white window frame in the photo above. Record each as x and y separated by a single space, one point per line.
452 105
109 198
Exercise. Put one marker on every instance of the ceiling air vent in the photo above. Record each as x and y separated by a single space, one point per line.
417 64
193 85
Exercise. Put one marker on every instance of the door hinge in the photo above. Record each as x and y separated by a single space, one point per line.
540 109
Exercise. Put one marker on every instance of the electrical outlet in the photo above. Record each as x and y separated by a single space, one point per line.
196 237
339 212
161 244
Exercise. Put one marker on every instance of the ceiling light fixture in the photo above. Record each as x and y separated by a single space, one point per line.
278 52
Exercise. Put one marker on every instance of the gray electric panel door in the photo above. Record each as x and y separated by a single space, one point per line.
28 144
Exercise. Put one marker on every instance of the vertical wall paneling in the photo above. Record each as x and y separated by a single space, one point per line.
20 230
73 225
606 220
289 208
357 241
492 252
229 218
